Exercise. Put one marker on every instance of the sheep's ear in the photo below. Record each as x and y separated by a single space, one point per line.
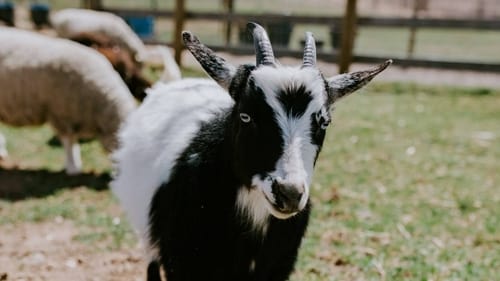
220 70
344 84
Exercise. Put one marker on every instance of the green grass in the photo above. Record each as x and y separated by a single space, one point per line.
406 188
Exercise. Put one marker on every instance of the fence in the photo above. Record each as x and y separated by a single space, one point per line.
349 22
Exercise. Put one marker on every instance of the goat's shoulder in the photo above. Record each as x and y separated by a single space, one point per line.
166 124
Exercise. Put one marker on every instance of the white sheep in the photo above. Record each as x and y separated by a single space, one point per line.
69 23
56 81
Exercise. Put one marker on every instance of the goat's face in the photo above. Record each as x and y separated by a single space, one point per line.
279 125
279 118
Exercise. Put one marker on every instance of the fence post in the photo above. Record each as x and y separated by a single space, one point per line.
92 4
228 8
179 16
348 35
417 6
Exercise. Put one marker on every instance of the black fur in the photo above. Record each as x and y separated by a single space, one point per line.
154 271
194 218
295 100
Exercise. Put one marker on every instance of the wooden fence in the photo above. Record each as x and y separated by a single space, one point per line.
180 15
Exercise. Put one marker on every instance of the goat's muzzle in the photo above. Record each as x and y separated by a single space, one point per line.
288 196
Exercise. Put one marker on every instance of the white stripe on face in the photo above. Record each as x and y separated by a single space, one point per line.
296 164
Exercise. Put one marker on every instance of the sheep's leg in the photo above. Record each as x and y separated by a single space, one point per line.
73 163
153 271
3 147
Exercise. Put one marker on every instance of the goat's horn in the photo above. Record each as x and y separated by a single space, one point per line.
221 71
263 48
309 51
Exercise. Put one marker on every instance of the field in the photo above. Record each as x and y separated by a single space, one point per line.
406 188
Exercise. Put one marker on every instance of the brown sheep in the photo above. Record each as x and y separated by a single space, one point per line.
122 60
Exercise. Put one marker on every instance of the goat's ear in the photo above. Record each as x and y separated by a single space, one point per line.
220 70
344 84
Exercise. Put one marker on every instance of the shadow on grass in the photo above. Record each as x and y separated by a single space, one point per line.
17 184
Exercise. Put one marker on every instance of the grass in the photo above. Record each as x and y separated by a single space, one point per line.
406 188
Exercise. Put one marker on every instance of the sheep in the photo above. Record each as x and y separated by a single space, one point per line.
69 86
215 178
121 59
127 67
70 22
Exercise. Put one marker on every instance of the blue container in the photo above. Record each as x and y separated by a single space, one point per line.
39 7
7 13
6 5
143 26
40 14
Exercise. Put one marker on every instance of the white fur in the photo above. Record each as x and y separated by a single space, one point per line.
296 164
155 135
252 204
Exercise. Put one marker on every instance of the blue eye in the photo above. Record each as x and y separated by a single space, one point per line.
245 118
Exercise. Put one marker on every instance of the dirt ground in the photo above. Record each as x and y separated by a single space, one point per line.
47 251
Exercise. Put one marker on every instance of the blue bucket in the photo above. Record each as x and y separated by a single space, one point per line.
6 6
40 14
143 26
39 7
7 13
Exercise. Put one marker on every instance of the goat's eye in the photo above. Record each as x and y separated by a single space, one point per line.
245 118
322 121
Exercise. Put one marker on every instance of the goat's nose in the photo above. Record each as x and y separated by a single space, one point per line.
288 196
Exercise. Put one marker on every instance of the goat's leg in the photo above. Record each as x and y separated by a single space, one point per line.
73 163
3 147
154 271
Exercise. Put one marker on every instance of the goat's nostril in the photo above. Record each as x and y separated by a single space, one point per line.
288 195
299 195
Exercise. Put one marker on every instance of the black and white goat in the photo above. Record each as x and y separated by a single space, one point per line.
216 179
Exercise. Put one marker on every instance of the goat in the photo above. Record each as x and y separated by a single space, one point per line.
215 178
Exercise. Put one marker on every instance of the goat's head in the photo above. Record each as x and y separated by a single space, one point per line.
279 118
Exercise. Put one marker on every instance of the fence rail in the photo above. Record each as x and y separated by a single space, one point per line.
333 20
325 20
